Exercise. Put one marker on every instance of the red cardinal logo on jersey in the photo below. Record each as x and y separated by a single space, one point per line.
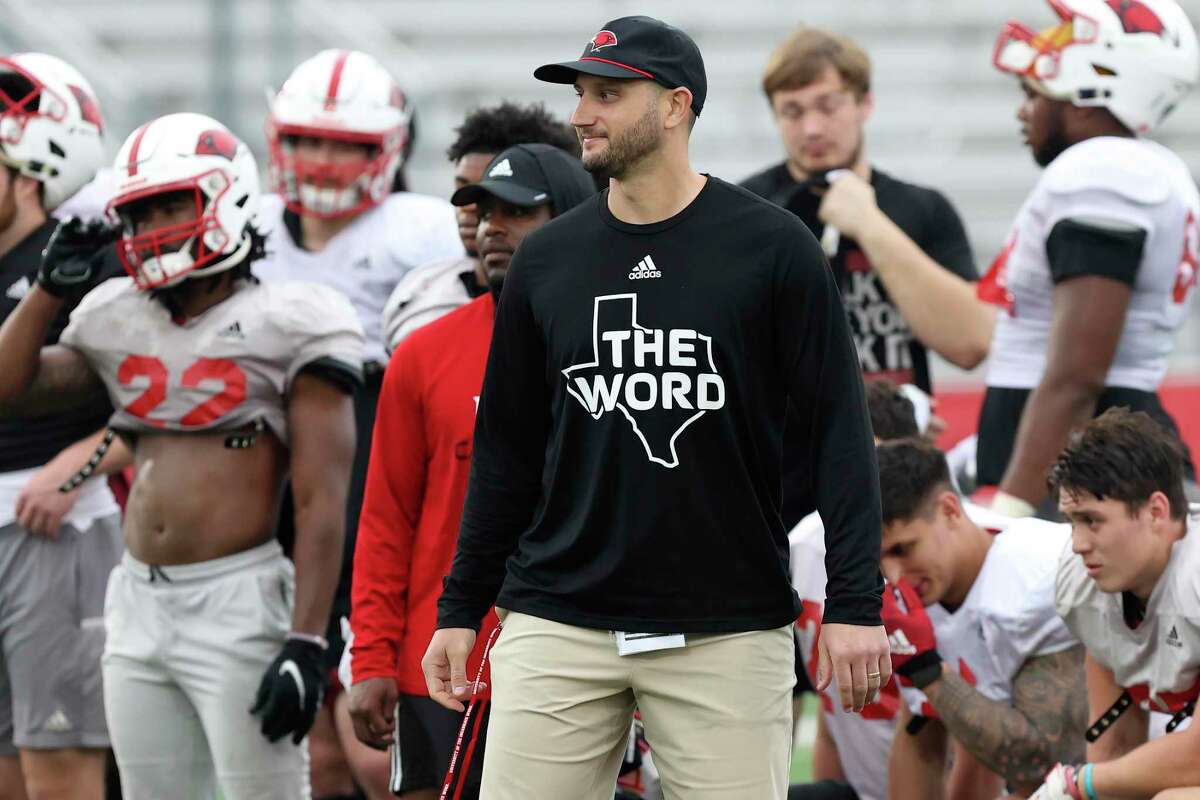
1137 17
603 39
216 143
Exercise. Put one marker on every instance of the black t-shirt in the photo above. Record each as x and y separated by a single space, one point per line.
27 442
885 343
626 469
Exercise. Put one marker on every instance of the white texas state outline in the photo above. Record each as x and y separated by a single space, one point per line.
597 413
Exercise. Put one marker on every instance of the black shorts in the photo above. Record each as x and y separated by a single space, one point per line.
1000 418
823 790
425 737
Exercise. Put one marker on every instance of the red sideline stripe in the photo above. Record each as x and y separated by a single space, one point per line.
619 64
133 151
335 79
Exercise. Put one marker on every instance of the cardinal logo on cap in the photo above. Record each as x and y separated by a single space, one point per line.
603 39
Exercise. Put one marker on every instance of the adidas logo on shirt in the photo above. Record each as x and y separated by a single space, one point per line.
1173 638
646 268
19 289
58 722
501 170
234 331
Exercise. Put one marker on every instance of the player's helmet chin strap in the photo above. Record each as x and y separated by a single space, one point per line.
176 265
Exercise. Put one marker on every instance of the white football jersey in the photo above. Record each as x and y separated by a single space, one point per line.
863 740
1008 616
229 367
368 257
1129 181
423 295
1158 662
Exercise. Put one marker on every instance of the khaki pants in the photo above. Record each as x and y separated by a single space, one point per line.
718 713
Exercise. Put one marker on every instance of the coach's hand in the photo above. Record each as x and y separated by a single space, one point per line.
373 711
290 692
74 255
445 666
857 656
910 634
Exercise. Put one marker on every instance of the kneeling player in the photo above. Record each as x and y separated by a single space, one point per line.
1002 674
1129 588
223 386
850 751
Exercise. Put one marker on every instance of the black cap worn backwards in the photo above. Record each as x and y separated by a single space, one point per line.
638 47
532 175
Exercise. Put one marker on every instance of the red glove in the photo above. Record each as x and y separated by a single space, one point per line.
915 658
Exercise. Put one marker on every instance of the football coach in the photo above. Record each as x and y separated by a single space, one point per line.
623 505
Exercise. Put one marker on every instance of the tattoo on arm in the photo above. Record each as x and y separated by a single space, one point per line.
63 381
1021 741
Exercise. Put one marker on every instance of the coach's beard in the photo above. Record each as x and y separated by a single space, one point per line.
627 149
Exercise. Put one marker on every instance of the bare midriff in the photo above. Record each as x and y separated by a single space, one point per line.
195 499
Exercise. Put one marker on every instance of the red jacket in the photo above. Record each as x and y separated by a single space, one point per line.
416 484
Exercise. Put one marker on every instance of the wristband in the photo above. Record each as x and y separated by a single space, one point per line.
923 669
1012 506
1087 782
311 638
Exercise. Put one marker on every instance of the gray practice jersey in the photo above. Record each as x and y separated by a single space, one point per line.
1158 661
425 294
230 367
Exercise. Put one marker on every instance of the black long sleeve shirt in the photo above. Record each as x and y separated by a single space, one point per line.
626 466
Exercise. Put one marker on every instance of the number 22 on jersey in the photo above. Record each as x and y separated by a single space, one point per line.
227 378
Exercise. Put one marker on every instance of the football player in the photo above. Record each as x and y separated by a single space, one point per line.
1001 673
336 133
850 753
223 386
415 493
1104 250
438 287
56 548
1129 588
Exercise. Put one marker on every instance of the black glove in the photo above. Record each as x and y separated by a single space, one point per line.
290 692
73 256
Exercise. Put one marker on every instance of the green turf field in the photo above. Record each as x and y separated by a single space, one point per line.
802 755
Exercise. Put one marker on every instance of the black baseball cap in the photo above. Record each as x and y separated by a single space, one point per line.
531 175
638 47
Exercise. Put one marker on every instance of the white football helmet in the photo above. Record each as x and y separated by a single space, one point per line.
346 96
185 153
50 124
1137 58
